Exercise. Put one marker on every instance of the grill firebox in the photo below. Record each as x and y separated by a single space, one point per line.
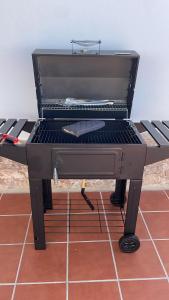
114 132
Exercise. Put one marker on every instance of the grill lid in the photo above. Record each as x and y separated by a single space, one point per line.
59 74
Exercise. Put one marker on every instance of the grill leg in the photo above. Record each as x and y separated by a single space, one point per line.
118 197
37 203
47 194
129 242
132 206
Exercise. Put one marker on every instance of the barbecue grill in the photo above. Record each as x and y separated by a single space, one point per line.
116 151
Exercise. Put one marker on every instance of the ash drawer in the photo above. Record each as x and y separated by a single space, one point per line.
87 162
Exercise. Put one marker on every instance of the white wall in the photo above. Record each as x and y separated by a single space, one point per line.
142 25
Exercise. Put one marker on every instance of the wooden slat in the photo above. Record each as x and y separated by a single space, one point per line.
7 125
154 133
2 121
162 128
18 127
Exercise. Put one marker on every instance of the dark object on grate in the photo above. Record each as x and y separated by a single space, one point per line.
116 151
83 127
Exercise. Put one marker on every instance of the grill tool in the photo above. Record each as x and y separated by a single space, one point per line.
88 201
10 138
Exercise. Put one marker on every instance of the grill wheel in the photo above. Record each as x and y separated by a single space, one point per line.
129 243
117 201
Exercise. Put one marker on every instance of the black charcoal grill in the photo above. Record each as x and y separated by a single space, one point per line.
116 151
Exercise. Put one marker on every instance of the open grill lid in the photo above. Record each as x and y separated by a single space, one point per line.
59 74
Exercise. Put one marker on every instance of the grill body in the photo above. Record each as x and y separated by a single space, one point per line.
116 151
111 152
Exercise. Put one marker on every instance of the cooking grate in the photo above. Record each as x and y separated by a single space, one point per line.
76 217
108 107
117 132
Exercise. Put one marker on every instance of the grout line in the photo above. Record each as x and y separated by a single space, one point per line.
84 281
143 279
81 213
20 261
90 241
166 194
78 242
161 239
12 244
67 250
119 279
31 283
156 250
104 241
111 248
155 211
14 215
94 280
1 196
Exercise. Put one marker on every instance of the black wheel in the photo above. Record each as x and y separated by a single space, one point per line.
116 201
129 243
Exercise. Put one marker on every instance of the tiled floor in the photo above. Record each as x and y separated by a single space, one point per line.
82 260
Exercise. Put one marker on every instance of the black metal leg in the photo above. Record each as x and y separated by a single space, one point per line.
118 197
47 194
129 242
132 206
37 203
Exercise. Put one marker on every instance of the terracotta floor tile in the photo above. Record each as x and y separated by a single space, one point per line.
50 237
13 229
77 196
140 264
61 196
154 200
41 292
90 261
79 205
56 228
59 206
158 224
141 230
92 291
108 206
60 201
6 292
94 220
43 265
88 227
15 204
163 249
88 223
117 232
88 236
147 290
9 260
115 225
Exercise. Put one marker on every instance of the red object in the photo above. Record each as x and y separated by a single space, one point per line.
10 138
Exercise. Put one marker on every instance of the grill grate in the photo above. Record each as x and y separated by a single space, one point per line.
116 131
109 107
82 219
